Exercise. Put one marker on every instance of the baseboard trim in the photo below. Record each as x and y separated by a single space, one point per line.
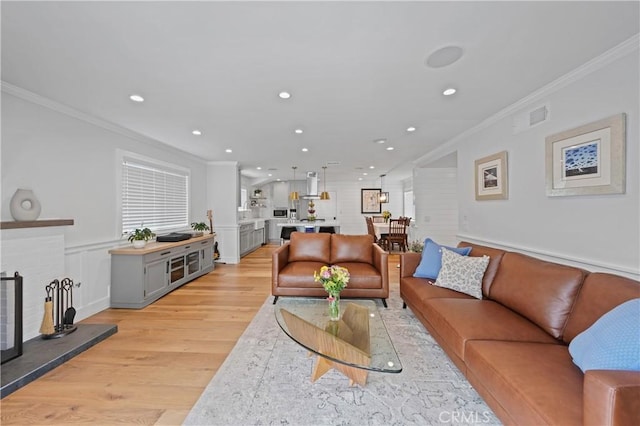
588 264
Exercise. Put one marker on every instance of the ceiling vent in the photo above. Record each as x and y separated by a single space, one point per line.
528 119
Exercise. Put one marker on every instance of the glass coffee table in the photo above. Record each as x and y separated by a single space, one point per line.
354 345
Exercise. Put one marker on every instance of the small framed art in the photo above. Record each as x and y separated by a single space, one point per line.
491 177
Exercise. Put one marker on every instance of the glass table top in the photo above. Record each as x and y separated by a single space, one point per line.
359 339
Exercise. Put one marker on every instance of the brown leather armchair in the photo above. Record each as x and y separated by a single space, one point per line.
293 265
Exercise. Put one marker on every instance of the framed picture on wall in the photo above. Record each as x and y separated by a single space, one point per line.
491 177
370 200
587 160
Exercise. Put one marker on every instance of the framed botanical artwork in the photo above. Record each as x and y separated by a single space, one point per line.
491 177
370 200
587 160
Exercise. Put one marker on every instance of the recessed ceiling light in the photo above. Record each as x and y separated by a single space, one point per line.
258 168
359 178
450 91
445 56
284 95
305 149
389 148
381 141
270 175
365 173
229 151
197 132
136 98
298 131
372 167
411 129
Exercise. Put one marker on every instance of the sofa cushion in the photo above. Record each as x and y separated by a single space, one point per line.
300 274
599 294
312 247
544 292
461 320
462 273
362 275
612 342
431 260
534 383
421 289
351 248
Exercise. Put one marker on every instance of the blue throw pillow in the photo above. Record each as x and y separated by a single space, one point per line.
612 342
431 260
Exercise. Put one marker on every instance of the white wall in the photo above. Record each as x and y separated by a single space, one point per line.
596 232
69 160
223 184
436 200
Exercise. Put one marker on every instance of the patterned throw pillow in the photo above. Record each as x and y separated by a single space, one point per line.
462 273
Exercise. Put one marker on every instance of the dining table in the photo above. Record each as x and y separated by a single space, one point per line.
380 228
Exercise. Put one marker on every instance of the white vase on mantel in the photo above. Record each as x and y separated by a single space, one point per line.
24 206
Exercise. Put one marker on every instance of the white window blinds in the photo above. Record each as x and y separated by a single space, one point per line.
153 196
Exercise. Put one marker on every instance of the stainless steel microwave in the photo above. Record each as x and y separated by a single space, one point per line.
280 212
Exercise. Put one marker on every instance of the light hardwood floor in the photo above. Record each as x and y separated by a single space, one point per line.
153 370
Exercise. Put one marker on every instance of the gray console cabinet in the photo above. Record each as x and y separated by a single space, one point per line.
141 276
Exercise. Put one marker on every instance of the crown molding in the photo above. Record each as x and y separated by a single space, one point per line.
88 118
620 51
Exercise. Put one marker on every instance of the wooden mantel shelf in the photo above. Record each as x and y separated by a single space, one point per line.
36 223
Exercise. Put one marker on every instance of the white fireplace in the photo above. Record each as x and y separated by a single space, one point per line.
38 255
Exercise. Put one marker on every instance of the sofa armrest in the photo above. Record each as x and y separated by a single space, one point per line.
611 397
408 263
279 259
381 263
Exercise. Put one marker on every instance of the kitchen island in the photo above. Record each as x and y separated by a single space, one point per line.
310 226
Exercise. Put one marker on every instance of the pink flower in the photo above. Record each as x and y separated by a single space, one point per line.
330 298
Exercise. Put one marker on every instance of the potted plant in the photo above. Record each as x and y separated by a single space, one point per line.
199 227
139 237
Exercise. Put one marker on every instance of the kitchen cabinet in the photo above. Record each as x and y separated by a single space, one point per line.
141 276
274 230
250 238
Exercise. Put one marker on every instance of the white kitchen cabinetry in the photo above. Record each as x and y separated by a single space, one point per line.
250 238
274 230
141 276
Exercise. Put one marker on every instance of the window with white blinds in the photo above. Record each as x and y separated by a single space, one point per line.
154 196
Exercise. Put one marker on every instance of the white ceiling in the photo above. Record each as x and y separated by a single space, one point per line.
356 71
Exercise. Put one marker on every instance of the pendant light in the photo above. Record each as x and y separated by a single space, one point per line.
293 196
324 195
383 197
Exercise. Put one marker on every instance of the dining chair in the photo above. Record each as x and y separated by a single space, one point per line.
407 222
371 230
397 234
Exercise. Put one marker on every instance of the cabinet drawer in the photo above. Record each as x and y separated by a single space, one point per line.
158 255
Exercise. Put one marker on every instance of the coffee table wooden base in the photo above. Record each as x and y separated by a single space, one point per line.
347 340
356 375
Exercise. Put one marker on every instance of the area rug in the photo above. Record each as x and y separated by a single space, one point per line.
265 380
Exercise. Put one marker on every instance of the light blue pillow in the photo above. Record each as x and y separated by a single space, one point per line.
431 260
612 342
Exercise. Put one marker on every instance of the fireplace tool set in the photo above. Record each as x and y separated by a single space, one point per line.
59 312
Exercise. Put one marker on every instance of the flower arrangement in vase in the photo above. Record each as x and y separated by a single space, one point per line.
386 215
334 279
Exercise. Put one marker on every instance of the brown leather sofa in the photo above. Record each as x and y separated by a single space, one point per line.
294 264
513 344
